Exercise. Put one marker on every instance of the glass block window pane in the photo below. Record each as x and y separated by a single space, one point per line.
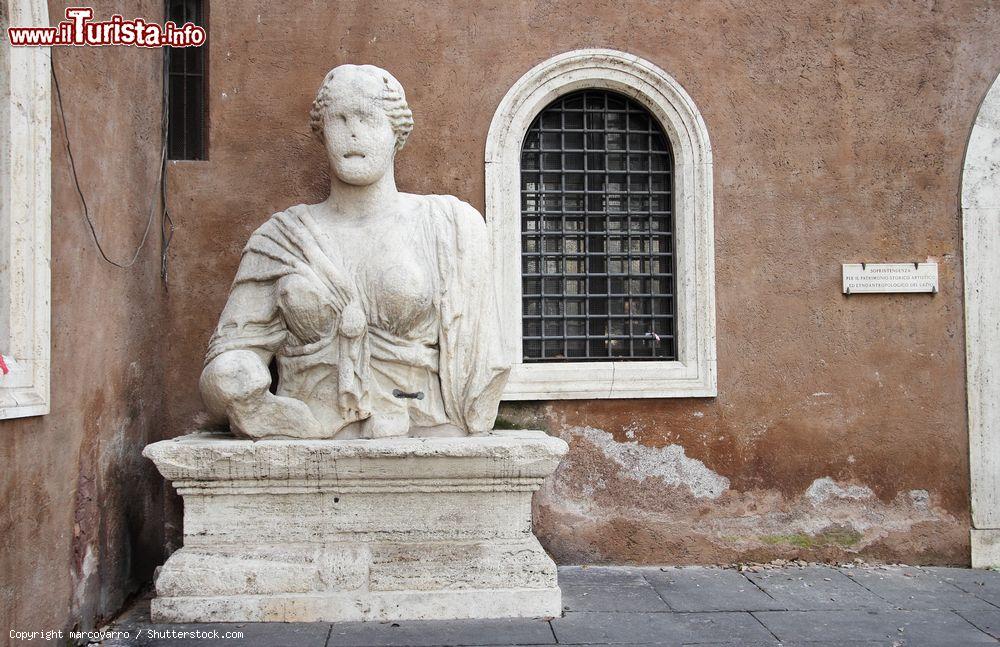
597 233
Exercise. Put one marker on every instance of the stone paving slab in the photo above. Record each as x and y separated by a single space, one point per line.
625 598
669 628
812 588
709 589
983 584
769 643
816 606
430 633
811 643
255 634
913 588
906 627
985 621
595 575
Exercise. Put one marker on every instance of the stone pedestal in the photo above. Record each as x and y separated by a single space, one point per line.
331 530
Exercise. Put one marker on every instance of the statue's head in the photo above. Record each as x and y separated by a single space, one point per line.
361 115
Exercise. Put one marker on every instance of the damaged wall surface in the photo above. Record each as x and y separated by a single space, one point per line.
81 518
624 501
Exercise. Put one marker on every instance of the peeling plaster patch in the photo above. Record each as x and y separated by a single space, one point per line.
614 501
590 489
824 489
667 463
920 499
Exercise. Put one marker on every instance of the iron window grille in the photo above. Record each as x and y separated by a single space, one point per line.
186 87
597 232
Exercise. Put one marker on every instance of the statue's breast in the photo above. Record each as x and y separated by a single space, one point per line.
392 264
399 290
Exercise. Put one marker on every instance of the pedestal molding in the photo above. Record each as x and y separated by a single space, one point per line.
388 485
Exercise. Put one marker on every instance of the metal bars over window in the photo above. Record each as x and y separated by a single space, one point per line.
186 86
597 233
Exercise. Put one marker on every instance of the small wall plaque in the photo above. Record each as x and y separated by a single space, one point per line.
862 278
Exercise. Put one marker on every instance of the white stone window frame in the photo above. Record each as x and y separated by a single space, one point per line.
694 373
25 215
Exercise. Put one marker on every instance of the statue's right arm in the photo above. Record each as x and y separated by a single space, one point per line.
231 377
248 334
235 382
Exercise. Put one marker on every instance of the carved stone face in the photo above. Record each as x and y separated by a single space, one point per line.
359 137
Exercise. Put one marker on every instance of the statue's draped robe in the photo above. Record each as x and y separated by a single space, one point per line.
432 322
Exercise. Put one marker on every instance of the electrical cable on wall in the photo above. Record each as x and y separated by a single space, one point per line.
166 223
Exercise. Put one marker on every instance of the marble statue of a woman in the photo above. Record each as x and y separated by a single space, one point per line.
377 305
377 308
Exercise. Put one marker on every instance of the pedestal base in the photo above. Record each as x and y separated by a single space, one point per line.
331 530
985 547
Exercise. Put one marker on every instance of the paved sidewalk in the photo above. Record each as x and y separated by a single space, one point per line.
815 605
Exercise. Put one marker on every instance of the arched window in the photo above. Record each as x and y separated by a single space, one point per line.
599 203
596 226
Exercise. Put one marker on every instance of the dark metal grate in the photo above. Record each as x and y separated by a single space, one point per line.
597 232
186 132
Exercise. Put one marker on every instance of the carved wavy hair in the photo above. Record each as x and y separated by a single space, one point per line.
392 97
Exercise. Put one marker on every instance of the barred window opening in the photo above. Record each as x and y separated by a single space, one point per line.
187 74
597 232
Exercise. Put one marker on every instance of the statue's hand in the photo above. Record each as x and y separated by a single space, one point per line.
274 416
